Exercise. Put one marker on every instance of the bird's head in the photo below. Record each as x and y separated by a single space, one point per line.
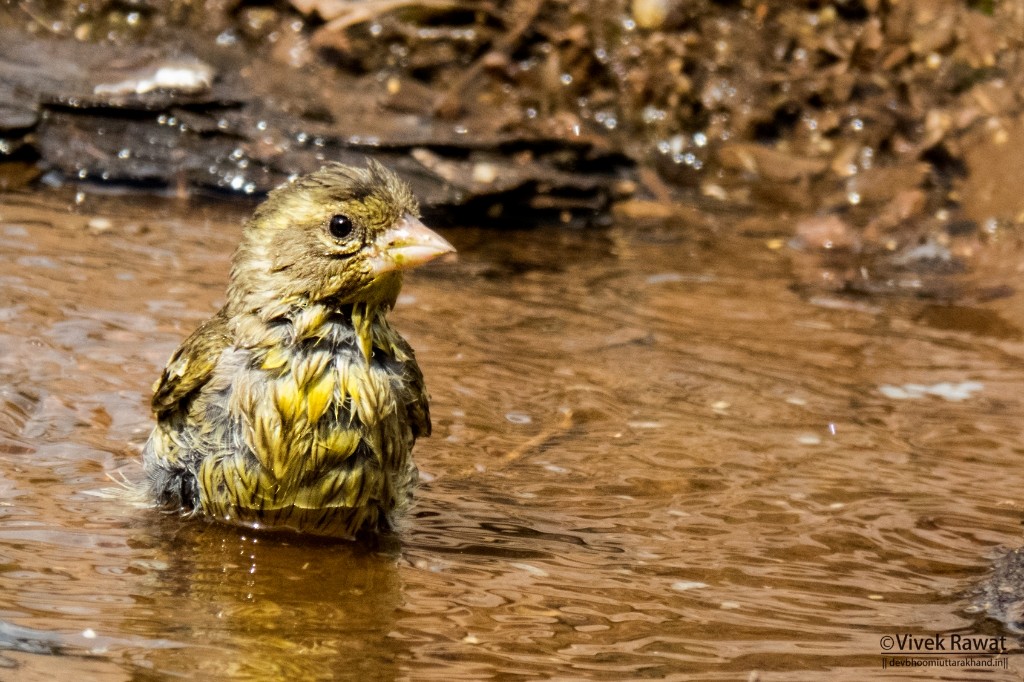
341 233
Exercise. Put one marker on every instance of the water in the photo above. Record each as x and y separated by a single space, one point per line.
651 458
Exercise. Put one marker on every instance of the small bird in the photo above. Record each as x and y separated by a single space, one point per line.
297 405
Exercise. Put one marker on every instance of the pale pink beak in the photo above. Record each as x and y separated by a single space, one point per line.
405 245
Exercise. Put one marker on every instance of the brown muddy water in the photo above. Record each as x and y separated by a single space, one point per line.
651 459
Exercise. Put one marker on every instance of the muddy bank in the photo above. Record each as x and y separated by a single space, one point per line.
882 137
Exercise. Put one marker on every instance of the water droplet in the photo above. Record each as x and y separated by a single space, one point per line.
652 114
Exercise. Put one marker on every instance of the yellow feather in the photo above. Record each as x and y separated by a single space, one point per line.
288 398
276 357
268 441
335 446
318 397
308 323
353 488
352 387
309 367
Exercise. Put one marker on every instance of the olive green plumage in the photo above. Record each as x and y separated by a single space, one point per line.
297 405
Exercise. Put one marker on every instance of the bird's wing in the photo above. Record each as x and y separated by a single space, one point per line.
192 364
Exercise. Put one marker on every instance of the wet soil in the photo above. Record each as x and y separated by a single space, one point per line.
875 126
652 457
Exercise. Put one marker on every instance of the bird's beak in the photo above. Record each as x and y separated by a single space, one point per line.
405 245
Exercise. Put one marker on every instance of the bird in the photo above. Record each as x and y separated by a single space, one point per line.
297 405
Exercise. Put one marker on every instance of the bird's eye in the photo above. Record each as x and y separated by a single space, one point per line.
341 226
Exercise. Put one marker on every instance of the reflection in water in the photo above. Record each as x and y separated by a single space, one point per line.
312 607
650 457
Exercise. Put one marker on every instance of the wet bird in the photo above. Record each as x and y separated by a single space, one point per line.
297 405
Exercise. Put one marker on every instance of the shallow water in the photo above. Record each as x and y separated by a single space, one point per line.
651 458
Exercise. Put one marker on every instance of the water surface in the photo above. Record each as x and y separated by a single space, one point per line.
651 458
